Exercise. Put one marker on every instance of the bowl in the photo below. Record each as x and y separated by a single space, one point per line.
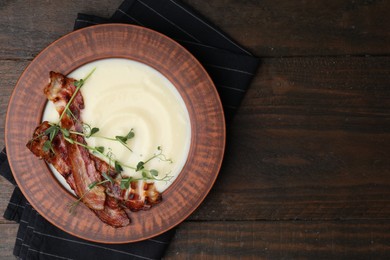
195 87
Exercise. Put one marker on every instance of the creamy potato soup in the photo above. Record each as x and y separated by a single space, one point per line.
121 95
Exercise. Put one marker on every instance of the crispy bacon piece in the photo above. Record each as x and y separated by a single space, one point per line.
80 168
113 214
102 166
60 90
59 159
142 196
84 174
139 196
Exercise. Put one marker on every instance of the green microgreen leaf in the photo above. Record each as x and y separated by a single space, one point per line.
94 131
126 137
53 134
79 83
125 183
88 131
118 166
100 149
121 138
153 172
46 146
140 166
130 134
52 131
65 132
108 178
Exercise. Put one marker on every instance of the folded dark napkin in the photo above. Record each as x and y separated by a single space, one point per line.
230 66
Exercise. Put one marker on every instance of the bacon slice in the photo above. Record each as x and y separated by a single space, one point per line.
113 214
59 91
59 159
102 166
139 196
85 174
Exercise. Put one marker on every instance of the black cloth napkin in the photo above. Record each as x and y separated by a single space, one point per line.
230 66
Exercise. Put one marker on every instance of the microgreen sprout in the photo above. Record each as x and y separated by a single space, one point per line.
78 84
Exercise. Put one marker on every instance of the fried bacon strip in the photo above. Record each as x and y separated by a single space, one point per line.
80 168
140 195
113 214
59 159
59 91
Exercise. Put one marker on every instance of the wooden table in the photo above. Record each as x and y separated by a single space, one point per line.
307 169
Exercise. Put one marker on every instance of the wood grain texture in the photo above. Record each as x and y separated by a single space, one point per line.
265 240
271 28
5 194
29 27
310 141
282 240
306 171
10 71
7 236
303 28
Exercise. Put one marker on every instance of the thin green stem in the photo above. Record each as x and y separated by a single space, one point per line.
75 93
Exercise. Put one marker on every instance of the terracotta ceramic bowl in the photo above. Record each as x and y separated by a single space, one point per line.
197 90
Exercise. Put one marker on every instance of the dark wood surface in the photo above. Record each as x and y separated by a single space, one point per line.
306 173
